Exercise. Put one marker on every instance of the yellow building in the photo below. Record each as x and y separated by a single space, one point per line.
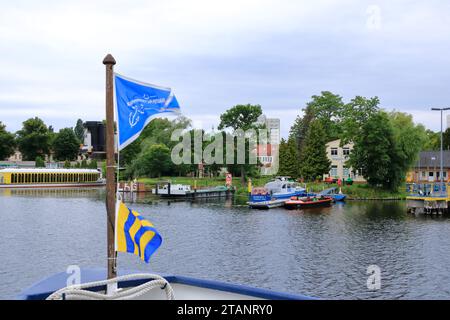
338 155
428 167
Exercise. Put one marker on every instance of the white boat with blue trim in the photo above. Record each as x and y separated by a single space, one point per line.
138 286
275 193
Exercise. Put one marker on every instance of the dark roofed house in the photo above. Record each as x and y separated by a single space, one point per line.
428 167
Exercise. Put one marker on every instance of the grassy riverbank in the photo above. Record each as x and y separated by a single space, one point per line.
355 191
361 191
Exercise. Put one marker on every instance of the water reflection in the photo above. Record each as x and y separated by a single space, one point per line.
54 192
322 252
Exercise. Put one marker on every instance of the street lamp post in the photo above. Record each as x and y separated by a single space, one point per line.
441 176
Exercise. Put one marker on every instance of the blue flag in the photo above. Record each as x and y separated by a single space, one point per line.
138 103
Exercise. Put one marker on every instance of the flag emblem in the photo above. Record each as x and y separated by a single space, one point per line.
138 103
134 234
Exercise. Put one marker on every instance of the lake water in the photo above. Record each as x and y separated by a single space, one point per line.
319 252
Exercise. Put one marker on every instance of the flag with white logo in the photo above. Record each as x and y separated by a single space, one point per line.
138 103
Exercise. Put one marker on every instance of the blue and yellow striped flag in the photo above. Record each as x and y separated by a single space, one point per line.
134 234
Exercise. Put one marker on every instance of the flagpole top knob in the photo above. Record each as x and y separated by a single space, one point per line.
109 59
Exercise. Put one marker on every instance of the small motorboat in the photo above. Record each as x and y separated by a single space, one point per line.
334 193
338 197
308 202
283 188
274 194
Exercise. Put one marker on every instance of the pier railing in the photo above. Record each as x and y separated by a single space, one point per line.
431 189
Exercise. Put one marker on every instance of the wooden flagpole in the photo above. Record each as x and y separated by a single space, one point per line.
109 63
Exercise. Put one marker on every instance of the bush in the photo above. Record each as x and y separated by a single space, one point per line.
39 162
93 164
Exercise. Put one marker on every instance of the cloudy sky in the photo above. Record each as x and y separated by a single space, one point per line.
216 54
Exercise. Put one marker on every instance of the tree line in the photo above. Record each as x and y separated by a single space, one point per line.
386 144
36 140
150 154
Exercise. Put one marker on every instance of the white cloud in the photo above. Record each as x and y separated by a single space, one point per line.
216 54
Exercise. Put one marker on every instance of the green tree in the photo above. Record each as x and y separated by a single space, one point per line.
327 108
84 164
33 139
300 128
240 116
79 131
66 145
433 142
130 152
158 131
445 140
314 162
154 161
410 138
243 117
7 142
39 162
67 164
288 158
355 114
376 154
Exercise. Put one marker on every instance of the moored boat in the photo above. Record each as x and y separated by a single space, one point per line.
274 194
308 202
50 178
334 193
172 190
282 188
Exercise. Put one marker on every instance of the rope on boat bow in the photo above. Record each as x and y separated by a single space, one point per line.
79 292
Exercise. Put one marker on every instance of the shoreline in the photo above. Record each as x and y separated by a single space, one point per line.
354 192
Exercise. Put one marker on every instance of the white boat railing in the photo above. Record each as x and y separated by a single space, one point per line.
80 292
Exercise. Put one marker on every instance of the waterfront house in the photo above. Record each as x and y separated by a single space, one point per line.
427 167
268 158
338 155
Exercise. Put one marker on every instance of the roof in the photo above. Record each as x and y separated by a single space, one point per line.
428 159
44 170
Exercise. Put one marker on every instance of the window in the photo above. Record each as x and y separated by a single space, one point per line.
346 172
334 151
333 171
346 152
